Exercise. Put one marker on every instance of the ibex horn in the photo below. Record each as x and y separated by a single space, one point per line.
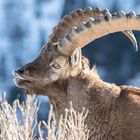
98 27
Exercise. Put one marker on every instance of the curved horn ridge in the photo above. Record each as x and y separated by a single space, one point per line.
98 27
74 19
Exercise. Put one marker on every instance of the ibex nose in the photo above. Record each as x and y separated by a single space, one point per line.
21 70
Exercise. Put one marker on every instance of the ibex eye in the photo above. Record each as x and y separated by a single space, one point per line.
56 66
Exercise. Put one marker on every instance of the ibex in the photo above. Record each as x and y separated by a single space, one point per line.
63 74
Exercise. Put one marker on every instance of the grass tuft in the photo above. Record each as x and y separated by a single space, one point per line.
12 127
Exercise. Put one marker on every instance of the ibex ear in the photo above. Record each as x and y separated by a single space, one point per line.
76 61
76 57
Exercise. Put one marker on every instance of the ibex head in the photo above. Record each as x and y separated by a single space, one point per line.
61 58
49 67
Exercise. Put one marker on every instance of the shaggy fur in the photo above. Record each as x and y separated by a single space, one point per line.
114 112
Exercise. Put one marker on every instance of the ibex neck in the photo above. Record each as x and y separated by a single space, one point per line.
96 96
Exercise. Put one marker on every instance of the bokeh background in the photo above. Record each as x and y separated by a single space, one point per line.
26 24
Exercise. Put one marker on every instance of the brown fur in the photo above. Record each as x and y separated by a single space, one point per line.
114 112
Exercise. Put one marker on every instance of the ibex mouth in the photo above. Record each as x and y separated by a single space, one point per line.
19 80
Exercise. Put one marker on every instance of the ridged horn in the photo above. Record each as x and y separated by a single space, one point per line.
129 33
95 28
75 18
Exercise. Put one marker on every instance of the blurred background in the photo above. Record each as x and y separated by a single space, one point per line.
26 24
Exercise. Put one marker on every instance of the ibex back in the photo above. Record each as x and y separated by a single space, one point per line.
63 74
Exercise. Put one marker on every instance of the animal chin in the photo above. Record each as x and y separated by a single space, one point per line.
21 82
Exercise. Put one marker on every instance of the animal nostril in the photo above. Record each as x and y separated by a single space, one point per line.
21 70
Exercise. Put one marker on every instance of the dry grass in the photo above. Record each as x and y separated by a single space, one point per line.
11 127
71 126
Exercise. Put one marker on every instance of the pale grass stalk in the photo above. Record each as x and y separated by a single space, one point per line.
70 127
13 129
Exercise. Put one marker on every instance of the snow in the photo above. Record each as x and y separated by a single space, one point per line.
23 32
